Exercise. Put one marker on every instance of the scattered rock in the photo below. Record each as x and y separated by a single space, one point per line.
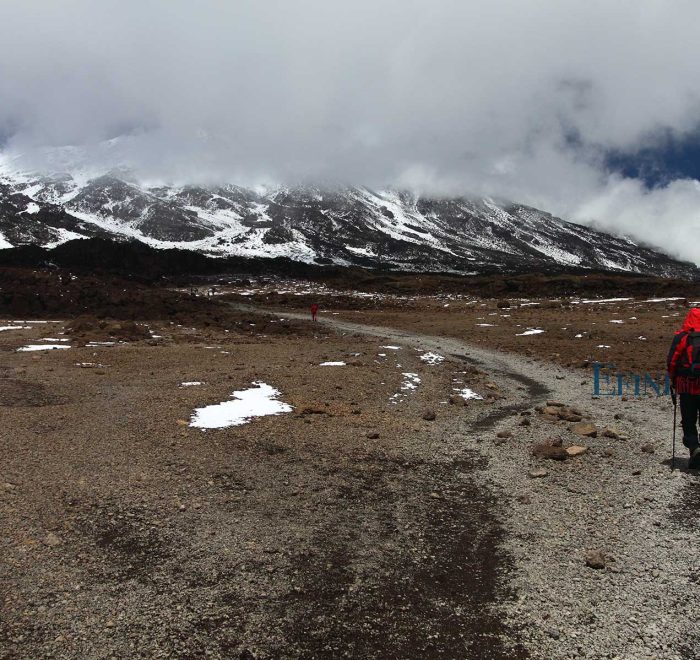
595 559
648 448
585 429
372 435
569 415
555 404
611 433
429 415
543 450
504 434
576 450
52 540
550 410
537 473
525 421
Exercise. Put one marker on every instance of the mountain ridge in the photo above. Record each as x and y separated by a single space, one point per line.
346 226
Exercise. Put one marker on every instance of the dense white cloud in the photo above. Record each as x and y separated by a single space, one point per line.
516 98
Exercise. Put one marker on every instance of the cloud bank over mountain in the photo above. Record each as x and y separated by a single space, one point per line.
521 100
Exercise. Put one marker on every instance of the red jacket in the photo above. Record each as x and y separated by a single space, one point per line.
683 383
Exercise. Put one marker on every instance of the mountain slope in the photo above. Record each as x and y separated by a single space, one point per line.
348 226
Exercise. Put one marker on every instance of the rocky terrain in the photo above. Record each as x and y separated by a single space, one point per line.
432 491
342 225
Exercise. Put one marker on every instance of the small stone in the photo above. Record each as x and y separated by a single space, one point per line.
595 559
372 435
585 429
52 540
429 415
543 450
611 433
524 498
648 448
525 421
576 450
435 495
550 410
504 434
537 473
555 404
569 415
110 624
182 422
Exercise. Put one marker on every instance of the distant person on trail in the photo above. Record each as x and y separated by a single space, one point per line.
314 312
684 371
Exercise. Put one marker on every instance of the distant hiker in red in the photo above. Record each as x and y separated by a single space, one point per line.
684 370
314 312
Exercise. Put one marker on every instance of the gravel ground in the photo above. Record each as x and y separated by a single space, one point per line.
616 498
351 528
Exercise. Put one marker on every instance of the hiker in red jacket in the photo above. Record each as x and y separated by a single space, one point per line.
314 312
684 371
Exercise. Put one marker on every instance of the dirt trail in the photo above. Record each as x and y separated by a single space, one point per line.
617 498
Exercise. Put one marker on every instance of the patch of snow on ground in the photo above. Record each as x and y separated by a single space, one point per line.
603 346
485 325
432 358
40 347
578 336
530 331
258 401
600 300
467 394
14 327
657 300
393 348
411 381
616 321
332 364
191 383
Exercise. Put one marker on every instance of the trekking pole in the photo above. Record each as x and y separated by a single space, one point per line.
673 455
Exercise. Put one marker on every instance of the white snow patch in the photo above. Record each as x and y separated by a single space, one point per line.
14 327
332 364
616 321
191 383
485 325
258 401
655 300
40 347
432 358
411 381
600 300
603 346
467 394
392 348
530 331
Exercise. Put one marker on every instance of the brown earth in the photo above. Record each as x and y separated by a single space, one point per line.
350 527
128 533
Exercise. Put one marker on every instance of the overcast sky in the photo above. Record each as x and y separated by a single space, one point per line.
523 99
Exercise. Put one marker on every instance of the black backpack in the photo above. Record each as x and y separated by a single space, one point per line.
689 359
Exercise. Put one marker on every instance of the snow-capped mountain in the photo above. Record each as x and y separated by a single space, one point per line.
349 226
